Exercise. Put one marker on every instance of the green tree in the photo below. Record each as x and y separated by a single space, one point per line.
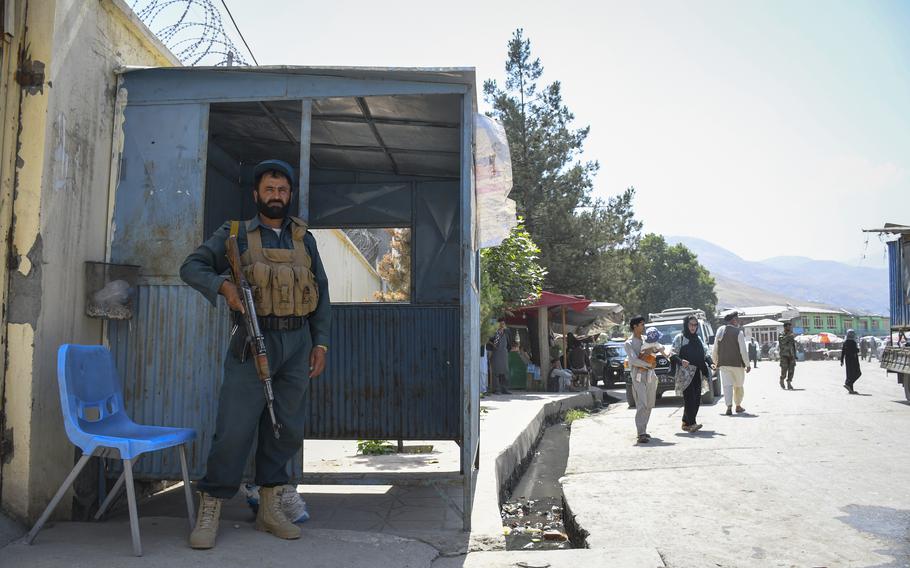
510 276
669 277
585 243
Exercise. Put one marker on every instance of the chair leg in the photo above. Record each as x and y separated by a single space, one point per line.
187 490
131 500
111 495
57 497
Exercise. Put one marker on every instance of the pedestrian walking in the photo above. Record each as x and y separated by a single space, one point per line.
786 344
753 352
499 346
689 349
849 356
863 347
644 380
732 360
278 255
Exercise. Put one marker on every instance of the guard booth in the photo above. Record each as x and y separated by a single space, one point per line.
378 152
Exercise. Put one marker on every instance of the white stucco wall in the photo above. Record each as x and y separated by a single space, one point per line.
60 208
351 278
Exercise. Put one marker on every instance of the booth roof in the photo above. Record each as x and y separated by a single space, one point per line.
409 133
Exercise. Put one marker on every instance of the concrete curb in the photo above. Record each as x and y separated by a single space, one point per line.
499 466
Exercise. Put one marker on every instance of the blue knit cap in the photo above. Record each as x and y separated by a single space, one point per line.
277 165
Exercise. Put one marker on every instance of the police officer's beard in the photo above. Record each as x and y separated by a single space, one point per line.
274 209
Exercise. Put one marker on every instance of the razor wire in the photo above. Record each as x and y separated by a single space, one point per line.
192 29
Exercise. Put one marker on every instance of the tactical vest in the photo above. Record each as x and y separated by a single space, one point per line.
282 279
728 353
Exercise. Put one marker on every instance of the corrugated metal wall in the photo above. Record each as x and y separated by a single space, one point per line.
393 372
899 269
170 357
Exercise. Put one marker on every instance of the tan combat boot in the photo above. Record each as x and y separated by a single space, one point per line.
203 536
270 518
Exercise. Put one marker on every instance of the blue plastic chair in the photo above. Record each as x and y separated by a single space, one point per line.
93 414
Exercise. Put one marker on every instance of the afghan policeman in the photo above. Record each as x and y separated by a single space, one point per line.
787 351
291 295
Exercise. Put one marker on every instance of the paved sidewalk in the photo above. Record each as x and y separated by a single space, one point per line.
350 525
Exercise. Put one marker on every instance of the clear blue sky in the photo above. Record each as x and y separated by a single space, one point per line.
769 127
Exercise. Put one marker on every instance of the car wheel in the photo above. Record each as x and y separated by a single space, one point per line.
629 398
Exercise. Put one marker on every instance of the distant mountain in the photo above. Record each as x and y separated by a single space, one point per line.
795 279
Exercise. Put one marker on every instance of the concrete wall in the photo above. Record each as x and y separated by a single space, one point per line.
351 278
60 220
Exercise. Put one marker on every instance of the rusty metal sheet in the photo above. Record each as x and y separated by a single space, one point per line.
158 202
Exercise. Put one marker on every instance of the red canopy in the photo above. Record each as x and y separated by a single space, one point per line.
548 300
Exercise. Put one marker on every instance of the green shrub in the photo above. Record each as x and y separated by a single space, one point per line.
374 447
576 414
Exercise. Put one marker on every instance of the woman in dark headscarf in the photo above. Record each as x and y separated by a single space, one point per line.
849 354
690 349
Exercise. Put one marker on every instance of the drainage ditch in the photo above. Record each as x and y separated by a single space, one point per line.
534 513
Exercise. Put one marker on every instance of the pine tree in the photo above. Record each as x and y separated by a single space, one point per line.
586 243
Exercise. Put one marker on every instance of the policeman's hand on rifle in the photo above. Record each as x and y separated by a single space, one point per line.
317 361
230 293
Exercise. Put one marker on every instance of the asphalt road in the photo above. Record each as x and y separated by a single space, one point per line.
810 477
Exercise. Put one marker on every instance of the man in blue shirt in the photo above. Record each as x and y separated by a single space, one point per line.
291 294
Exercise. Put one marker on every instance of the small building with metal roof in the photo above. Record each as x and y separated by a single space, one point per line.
374 149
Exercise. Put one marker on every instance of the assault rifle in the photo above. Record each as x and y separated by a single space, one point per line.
254 338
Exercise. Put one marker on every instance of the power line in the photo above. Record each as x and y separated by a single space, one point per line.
243 39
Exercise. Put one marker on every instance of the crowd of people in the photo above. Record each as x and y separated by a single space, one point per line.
730 356
692 362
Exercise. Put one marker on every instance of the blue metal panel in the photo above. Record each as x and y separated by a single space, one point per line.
158 203
166 86
470 312
360 205
437 261
392 372
170 358
899 271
